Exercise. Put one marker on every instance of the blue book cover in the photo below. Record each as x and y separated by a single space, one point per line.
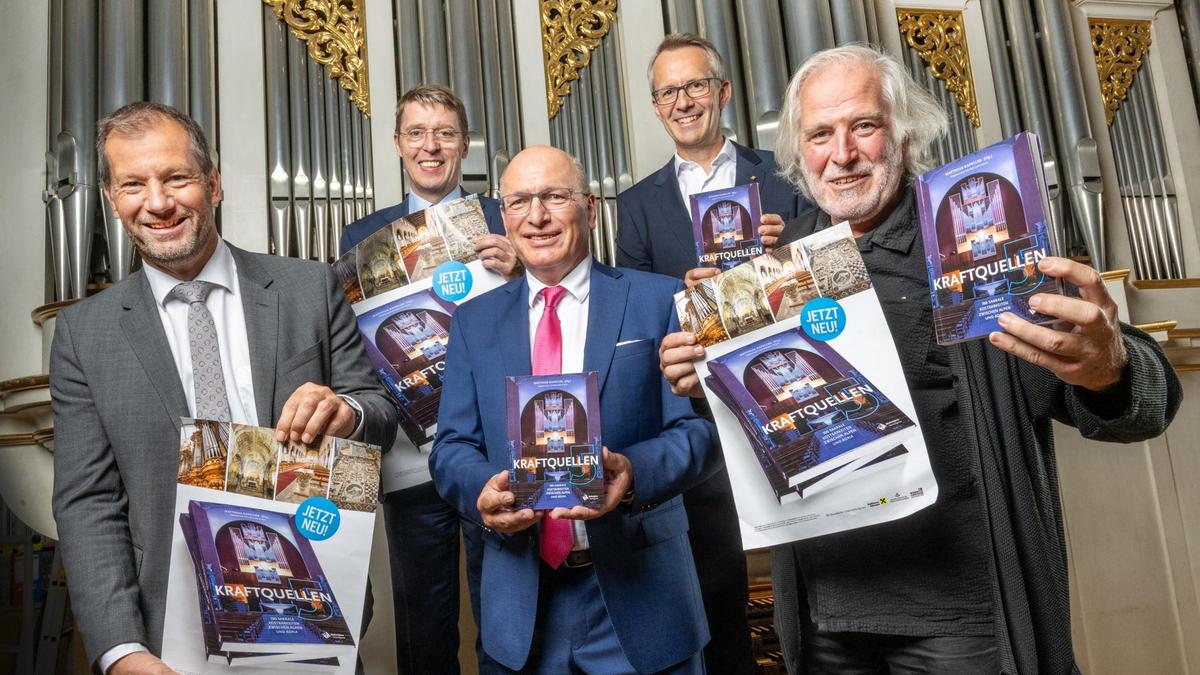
263 586
554 441
406 341
984 227
804 407
725 225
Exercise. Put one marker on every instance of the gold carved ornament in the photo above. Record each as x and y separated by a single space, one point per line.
571 31
1119 46
333 32
939 37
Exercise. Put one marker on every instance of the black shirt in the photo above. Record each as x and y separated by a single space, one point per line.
926 574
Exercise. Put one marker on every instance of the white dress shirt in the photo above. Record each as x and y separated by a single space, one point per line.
225 304
692 177
572 313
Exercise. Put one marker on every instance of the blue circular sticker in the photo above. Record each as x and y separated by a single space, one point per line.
452 281
823 319
318 518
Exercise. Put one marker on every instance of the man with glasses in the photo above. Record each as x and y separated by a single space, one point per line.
688 92
605 590
422 529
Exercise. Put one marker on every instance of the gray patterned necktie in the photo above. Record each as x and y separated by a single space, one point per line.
211 400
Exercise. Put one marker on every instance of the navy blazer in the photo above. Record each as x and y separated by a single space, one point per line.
643 562
365 226
655 226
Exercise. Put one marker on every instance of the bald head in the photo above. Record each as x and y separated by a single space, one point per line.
548 212
543 159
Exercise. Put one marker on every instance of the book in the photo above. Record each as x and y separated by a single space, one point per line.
984 226
554 441
805 409
263 587
406 341
725 225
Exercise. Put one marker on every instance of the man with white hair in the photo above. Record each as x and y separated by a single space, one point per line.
976 582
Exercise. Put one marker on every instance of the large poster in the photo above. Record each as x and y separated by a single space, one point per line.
404 282
814 414
270 548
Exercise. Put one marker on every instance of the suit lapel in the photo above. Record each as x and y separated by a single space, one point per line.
512 324
260 304
144 330
606 312
675 215
749 167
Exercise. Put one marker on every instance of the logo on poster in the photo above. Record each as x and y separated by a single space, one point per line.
452 281
318 518
823 319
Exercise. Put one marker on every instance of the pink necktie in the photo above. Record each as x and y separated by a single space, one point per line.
557 540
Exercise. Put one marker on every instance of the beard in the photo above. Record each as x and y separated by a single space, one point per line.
865 201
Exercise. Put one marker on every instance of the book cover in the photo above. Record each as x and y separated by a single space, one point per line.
805 408
725 225
984 227
554 441
263 584
407 341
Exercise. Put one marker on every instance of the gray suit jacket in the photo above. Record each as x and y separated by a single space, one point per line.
117 402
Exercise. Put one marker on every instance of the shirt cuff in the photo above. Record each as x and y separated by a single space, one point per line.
358 429
108 658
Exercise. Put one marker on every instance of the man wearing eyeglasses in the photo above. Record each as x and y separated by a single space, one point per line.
422 529
688 92
607 590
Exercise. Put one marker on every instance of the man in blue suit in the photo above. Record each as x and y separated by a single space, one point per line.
688 92
626 598
422 529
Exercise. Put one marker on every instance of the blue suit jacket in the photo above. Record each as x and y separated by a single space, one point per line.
642 559
655 226
365 226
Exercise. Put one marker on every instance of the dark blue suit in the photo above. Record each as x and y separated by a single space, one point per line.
422 532
363 227
642 560
655 234
655 227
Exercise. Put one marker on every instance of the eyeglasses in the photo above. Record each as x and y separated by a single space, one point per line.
552 199
417 136
694 89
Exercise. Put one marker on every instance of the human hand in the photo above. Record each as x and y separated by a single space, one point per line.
618 480
695 276
495 505
1089 351
140 663
675 359
769 228
313 410
497 254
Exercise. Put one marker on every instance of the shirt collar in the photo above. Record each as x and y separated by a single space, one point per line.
220 270
418 203
725 155
577 282
896 233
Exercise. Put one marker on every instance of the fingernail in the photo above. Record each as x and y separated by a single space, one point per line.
1004 319
698 350
1035 302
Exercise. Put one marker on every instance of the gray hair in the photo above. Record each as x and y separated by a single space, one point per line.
580 174
916 118
673 41
135 119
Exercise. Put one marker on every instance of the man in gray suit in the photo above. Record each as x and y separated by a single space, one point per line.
277 345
